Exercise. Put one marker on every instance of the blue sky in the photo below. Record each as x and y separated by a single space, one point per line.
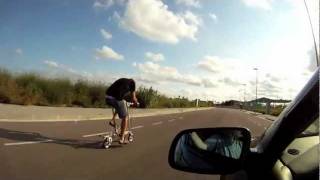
199 49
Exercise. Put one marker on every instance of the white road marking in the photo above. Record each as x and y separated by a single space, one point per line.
137 127
96 134
171 120
157 123
27 142
180 117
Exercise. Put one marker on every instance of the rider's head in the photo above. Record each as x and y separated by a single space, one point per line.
132 85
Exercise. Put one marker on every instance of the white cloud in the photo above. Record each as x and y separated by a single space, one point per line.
194 94
58 70
154 56
116 16
272 77
105 34
192 3
214 64
269 89
19 51
190 79
51 63
228 75
151 19
103 3
261 4
56 65
156 74
209 83
107 53
213 17
190 18
230 82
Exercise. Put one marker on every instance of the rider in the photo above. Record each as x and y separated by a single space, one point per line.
115 95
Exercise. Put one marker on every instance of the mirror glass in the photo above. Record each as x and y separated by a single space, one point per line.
210 149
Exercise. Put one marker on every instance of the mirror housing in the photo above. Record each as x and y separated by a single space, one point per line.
210 150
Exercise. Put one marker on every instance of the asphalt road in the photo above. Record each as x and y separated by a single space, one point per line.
69 150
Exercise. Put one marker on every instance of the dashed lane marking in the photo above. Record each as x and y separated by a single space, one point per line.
96 134
157 123
27 142
137 127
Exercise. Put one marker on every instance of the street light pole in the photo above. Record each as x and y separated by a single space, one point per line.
240 91
256 69
244 94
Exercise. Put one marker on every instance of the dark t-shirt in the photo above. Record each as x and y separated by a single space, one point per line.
120 88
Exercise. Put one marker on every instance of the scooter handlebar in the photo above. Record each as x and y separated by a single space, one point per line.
131 104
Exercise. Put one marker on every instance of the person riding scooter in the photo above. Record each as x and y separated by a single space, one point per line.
115 95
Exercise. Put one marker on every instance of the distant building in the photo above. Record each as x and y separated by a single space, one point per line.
264 101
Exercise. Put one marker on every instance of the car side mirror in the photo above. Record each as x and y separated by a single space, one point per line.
210 150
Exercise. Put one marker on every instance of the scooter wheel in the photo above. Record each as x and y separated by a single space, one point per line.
107 142
130 137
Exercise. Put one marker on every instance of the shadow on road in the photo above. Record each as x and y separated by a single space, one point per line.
34 136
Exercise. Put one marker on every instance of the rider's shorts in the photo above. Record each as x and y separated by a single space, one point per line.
119 106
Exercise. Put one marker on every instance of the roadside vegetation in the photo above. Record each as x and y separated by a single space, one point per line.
32 89
151 98
274 110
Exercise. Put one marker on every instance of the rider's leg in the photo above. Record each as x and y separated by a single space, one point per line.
113 120
124 126
113 103
123 115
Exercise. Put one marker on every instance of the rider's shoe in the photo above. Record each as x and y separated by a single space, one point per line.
123 141
112 124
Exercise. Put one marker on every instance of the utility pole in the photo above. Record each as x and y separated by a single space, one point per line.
240 91
256 69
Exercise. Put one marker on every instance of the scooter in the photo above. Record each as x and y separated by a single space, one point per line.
110 136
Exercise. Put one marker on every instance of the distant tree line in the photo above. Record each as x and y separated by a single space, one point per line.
32 89
148 97
275 110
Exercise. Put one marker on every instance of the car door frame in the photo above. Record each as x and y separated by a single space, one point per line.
296 117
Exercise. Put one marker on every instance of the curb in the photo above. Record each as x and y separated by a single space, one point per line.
58 119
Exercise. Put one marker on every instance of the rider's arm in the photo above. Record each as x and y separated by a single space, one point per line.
134 98
133 91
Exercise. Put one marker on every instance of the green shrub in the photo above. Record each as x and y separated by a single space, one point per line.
147 97
81 94
9 90
32 89
275 111
97 95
